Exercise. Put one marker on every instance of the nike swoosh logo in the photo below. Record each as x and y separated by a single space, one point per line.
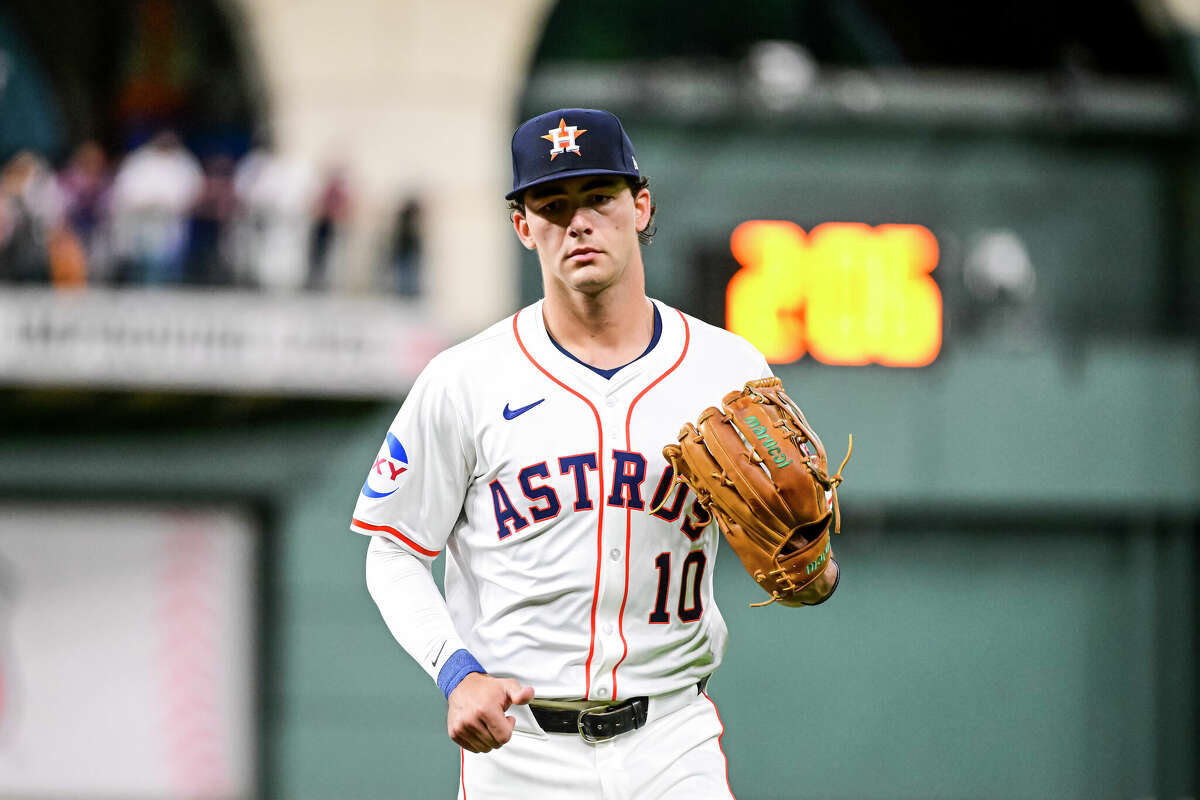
514 413
439 655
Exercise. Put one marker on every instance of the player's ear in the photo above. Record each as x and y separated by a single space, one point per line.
642 204
521 226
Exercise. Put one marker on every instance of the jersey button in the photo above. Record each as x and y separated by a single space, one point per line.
614 554
610 402
608 628
602 692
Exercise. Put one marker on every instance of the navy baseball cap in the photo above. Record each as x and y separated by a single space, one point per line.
567 143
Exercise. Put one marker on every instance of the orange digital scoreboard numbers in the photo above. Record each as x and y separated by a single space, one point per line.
845 292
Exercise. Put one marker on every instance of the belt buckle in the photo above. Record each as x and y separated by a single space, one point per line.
587 737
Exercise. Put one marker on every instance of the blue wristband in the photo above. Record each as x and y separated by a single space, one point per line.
459 665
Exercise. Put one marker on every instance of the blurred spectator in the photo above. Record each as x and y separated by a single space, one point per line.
276 197
153 194
209 260
30 208
162 219
333 212
405 261
86 185
68 262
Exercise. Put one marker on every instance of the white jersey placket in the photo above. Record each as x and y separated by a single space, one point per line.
613 567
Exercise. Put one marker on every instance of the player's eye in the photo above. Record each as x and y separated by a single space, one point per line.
601 199
552 207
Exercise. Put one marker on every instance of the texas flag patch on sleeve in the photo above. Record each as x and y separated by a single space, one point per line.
390 463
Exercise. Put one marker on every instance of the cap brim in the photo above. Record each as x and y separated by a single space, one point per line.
569 173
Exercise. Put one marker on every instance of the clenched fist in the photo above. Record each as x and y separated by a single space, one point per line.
475 718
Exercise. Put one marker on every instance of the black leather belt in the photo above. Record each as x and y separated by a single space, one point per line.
601 723
594 724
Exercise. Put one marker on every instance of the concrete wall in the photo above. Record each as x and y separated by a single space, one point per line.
415 99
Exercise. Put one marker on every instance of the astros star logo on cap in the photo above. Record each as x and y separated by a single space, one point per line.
563 139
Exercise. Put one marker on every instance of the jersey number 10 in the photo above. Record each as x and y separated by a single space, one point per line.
690 606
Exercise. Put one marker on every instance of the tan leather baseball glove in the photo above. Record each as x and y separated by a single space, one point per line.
760 470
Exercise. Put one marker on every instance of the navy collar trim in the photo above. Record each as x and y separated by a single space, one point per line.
608 373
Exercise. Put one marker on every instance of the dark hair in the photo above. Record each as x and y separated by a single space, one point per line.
645 236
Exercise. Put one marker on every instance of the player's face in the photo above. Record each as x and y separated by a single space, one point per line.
584 230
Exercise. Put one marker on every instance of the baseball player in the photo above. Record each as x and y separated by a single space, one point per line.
578 627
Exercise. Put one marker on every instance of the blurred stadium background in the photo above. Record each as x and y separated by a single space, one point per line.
231 233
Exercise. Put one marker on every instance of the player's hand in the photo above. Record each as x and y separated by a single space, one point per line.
475 719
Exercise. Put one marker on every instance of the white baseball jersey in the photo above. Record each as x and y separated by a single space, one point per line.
537 476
